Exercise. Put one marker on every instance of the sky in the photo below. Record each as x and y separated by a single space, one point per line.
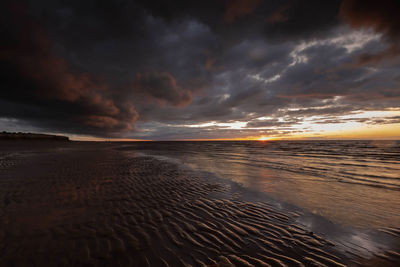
210 69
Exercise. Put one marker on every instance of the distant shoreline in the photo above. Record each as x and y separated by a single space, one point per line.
31 136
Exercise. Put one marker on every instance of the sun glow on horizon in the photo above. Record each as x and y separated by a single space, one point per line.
374 124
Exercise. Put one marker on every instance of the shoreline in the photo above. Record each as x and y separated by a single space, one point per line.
352 241
93 204
312 176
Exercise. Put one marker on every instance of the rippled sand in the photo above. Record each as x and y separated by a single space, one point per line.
93 204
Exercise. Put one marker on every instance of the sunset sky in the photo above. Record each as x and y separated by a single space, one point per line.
218 69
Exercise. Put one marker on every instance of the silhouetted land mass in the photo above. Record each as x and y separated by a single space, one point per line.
31 136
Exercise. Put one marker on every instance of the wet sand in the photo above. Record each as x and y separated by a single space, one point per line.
93 204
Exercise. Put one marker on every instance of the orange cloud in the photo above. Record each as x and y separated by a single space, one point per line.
279 15
209 63
239 8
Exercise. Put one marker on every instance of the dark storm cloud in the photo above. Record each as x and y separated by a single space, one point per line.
239 8
111 68
302 19
162 87
33 76
66 85
383 17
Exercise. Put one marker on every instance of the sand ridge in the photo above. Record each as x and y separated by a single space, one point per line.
96 206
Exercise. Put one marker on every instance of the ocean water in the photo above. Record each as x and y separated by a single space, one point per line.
353 183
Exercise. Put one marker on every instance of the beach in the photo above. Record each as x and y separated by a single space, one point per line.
99 204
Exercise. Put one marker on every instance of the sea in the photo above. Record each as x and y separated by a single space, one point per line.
355 183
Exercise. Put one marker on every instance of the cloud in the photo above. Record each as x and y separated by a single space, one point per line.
162 87
239 8
271 123
148 68
279 15
382 16
371 121
388 54
42 77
